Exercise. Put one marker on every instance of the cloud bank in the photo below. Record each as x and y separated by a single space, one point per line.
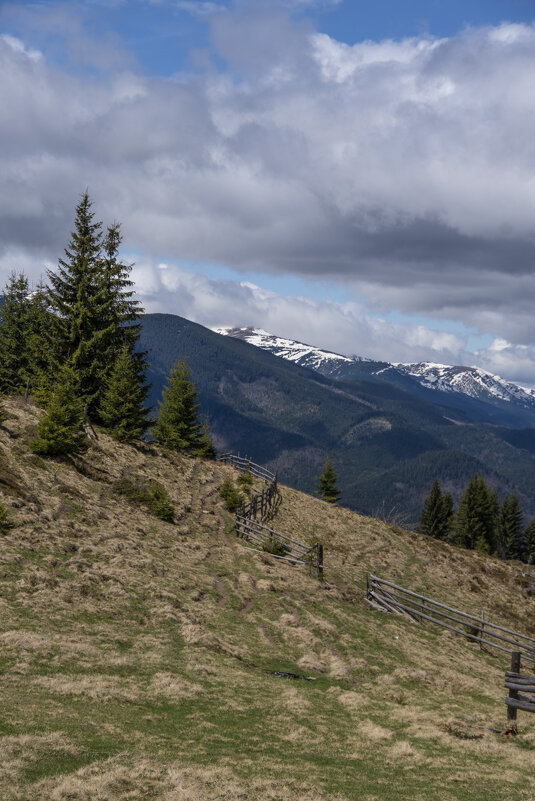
403 170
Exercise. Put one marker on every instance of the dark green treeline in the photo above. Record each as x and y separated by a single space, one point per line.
480 522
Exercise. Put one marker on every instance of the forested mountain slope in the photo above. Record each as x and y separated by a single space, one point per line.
388 443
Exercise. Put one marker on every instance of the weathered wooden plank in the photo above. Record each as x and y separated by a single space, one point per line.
264 540
261 528
274 555
525 703
392 608
526 688
520 677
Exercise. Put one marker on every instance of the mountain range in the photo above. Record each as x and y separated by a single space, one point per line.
515 404
388 433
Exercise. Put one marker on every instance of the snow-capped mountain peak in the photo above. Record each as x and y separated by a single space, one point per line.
290 349
471 381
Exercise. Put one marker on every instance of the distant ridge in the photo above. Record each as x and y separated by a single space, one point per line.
472 382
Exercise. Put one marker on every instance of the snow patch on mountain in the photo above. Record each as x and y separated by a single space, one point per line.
471 381
298 352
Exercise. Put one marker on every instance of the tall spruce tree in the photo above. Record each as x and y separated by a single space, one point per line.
42 336
124 312
511 537
60 429
437 513
123 309
77 293
326 487
477 517
123 406
14 335
177 425
529 550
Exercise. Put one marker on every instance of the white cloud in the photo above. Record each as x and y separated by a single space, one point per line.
342 327
199 8
17 46
405 170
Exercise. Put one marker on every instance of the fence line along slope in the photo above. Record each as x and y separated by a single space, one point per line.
249 524
138 654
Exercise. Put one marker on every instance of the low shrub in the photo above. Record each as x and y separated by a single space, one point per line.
6 521
275 547
231 495
245 480
147 492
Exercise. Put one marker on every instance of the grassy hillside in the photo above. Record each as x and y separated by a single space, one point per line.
137 655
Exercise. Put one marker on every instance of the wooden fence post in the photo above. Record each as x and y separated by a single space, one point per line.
27 390
481 630
319 562
511 711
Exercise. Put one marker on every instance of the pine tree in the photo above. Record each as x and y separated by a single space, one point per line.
511 539
437 513
529 550
60 429
123 311
177 425
205 447
14 331
123 406
77 293
326 486
477 516
42 336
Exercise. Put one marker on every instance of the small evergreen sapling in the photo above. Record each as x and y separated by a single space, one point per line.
177 425
231 495
326 487
60 430
206 448
122 410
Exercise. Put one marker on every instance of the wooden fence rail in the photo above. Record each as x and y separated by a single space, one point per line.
244 463
252 514
279 545
393 598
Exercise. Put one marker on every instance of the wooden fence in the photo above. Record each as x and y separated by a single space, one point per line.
261 504
278 545
393 598
250 519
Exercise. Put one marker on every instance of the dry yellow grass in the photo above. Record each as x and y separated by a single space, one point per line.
135 654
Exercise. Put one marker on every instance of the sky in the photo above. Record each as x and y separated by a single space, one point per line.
359 176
